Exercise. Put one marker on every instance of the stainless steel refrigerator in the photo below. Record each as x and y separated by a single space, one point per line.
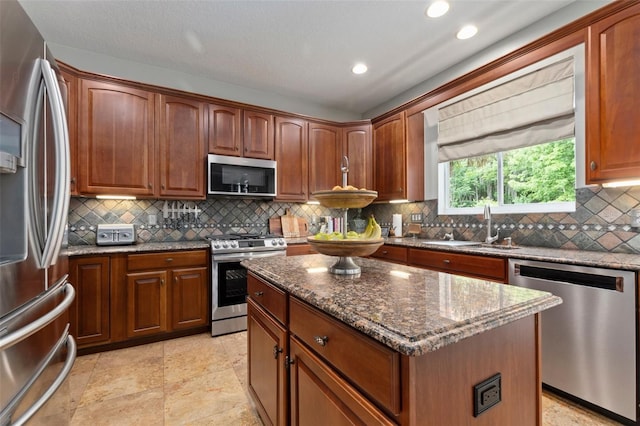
36 350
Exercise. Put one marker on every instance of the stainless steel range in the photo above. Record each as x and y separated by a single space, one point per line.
229 279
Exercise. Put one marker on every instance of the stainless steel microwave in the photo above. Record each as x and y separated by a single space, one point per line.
240 177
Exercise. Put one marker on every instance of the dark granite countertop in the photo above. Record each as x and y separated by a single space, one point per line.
630 262
134 248
411 310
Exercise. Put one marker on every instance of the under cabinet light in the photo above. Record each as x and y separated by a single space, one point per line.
359 68
398 201
313 203
115 197
400 274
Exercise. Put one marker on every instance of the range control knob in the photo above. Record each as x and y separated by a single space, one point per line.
274 242
225 244
216 245
281 241
233 244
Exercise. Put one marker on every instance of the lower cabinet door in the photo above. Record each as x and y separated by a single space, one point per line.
146 303
189 298
320 397
267 372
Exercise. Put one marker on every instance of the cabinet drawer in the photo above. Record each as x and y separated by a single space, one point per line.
300 249
391 253
269 297
369 365
485 267
167 259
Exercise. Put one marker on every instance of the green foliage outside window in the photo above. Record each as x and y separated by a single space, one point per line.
543 173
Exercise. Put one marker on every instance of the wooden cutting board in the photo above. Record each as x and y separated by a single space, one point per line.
275 226
289 225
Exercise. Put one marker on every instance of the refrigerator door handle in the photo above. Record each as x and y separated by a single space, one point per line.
37 325
60 207
55 385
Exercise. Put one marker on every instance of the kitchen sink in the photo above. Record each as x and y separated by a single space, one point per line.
453 243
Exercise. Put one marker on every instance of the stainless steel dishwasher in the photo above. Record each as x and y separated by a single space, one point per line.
589 341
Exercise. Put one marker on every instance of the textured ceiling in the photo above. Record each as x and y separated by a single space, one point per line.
299 49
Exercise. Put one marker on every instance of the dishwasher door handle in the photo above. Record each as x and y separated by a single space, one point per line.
604 282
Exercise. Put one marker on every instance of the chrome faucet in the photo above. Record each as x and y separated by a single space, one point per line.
487 216
448 236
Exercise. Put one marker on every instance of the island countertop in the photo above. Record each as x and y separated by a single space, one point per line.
411 310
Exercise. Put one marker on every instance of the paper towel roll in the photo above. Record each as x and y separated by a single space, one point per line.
397 224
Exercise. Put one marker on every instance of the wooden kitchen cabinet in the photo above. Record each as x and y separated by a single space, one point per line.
116 139
89 314
267 350
475 266
225 133
69 87
258 135
300 249
356 145
398 157
166 291
325 155
292 156
181 148
388 158
391 253
612 102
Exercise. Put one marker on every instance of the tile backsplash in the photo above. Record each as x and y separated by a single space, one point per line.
601 222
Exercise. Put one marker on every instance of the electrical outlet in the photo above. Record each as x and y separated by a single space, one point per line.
153 219
635 218
416 217
487 394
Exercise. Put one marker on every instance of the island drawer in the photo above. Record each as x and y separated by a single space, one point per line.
484 267
166 259
272 299
368 364
391 253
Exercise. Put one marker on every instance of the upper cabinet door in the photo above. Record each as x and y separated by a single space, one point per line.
613 86
224 131
356 145
389 158
258 135
116 139
181 147
292 157
325 154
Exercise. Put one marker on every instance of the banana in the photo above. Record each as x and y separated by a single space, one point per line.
372 231
377 231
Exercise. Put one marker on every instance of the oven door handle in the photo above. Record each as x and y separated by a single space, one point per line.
235 257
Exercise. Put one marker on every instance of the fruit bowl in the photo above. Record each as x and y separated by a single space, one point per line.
345 198
346 247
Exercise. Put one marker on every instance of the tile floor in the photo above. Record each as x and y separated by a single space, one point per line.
197 380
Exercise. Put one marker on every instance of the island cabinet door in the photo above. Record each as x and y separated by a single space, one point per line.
320 396
146 303
268 348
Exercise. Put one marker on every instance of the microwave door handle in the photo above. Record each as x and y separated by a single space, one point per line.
60 206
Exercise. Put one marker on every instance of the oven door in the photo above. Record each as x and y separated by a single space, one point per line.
229 283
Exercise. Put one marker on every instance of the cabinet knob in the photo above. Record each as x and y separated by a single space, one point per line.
321 340
162 281
150 186
169 259
175 280
446 261
385 252
162 186
593 165
258 293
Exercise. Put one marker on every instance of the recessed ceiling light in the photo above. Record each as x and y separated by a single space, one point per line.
466 32
437 9
359 69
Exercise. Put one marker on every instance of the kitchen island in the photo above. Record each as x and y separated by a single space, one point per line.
394 345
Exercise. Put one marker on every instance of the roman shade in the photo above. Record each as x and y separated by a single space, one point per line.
535 108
